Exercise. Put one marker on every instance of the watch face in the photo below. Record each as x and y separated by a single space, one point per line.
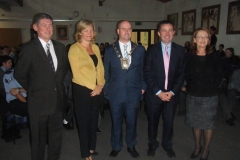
76 13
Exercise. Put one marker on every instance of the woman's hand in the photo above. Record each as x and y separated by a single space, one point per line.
97 90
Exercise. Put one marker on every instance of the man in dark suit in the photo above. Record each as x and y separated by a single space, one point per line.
40 70
164 75
124 87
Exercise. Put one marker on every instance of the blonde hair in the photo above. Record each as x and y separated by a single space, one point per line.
81 25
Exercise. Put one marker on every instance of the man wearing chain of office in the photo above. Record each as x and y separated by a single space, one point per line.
123 63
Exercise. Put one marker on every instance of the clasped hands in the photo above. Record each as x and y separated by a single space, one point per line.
165 96
97 90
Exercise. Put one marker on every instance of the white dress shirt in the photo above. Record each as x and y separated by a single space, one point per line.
52 51
128 49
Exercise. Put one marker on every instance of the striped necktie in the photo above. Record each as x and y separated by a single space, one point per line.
50 57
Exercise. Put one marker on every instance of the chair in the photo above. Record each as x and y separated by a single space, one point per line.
11 123
14 123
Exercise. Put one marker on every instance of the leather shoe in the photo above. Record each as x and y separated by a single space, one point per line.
230 122
113 153
94 153
133 152
68 126
170 153
206 157
151 152
194 156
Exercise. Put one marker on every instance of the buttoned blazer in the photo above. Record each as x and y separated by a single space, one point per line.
154 72
44 86
124 84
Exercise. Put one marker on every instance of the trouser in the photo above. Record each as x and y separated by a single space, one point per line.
86 113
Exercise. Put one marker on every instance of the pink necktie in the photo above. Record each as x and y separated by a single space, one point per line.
166 66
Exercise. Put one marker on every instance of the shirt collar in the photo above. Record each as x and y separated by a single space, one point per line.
44 43
163 45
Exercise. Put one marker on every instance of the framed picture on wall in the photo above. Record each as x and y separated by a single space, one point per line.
62 32
174 18
188 22
210 17
233 19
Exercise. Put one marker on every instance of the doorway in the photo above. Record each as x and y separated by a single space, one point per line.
144 36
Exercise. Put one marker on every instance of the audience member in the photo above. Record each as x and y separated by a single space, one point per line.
203 76
106 44
213 40
5 51
220 50
88 81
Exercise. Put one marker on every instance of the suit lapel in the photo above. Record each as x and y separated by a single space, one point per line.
159 60
172 60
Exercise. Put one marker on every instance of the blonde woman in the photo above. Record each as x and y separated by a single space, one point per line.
88 81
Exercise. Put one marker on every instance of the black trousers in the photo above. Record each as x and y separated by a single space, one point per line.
167 110
86 112
19 108
46 128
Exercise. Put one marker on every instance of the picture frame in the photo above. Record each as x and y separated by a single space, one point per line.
174 19
233 18
188 22
62 32
211 16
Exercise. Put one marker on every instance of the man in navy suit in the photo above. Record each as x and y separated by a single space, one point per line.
164 75
123 63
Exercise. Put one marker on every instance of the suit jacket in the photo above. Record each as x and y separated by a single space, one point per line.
124 84
33 71
154 72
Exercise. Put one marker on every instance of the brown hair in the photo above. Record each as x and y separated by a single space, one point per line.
81 25
194 49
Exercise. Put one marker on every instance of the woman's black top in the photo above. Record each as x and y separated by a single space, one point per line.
203 74
95 60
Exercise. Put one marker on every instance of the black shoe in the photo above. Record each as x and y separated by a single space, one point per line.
133 152
170 153
151 152
230 122
94 153
68 126
113 153
205 158
193 156
98 130
233 116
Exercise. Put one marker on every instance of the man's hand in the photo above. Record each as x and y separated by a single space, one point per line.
143 91
183 89
163 96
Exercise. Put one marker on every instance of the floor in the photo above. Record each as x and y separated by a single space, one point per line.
225 143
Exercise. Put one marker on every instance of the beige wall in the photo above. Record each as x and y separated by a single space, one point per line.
106 16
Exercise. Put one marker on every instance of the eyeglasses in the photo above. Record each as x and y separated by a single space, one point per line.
202 38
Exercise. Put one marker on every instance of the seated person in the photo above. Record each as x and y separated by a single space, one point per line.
15 95
234 84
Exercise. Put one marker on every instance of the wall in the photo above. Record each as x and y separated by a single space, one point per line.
177 6
106 16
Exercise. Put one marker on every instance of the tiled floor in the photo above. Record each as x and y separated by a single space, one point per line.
225 143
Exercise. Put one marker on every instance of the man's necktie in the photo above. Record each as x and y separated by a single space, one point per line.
166 66
50 57
125 51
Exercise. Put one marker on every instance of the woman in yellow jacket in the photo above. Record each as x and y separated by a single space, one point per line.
88 80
